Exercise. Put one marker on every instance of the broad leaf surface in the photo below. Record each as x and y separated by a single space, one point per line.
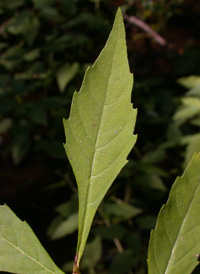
99 131
20 250
175 242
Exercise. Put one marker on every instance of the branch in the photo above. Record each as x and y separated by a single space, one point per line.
136 21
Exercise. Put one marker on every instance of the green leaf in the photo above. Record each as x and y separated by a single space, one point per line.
110 233
43 3
122 263
175 242
193 145
190 81
189 108
121 211
92 254
99 131
65 74
32 55
194 91
68 208
12 5
5 124
26 24
38 114
20 250
66 227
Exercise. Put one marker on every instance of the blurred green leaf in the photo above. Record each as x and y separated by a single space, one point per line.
20 150
68 266
89 20
12 5
110 233
67 208
194 91
121 210
12 57
53 225
24 23
32 55
43 3
189 108
195 122
53 148
154 156
68 6
122 263
146 222
52 14
192 143
65 74
3 45
38 114
190 81
5 124
92 254
66 227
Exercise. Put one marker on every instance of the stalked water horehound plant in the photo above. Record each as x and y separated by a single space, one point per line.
99 137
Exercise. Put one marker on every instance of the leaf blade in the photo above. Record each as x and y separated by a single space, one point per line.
99 131
174 245
20 250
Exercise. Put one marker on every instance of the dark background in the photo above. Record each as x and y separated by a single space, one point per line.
41 43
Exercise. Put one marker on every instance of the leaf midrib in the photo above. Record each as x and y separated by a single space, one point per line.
24 253
181 228
95 148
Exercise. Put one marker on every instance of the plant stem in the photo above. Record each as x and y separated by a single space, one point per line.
75 266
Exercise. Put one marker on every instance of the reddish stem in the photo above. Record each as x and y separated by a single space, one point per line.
75 266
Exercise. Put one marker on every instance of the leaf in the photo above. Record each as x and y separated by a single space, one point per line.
43 3
67 208
65 74
26 24
32 55
190 81
121 211
110 233
189 108
193 145
92 254
5 125
99 131
12 5
146 222
38 114
194 91
175 242
66 227
122 263
20 250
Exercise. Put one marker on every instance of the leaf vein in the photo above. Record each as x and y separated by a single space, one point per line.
94 176
78 143
81 120
181 228
114 137
25 254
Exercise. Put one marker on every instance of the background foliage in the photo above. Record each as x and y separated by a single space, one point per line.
45 48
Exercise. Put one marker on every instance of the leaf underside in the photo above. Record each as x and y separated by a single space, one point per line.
20 250
99 131
175 243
